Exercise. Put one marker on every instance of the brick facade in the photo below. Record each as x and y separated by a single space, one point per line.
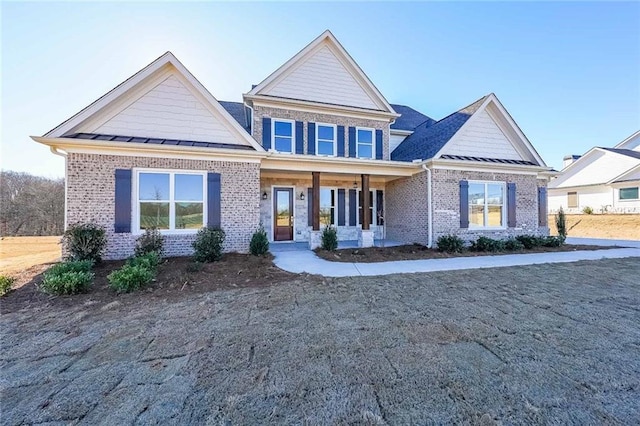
406 210
91 198
260 111
446 204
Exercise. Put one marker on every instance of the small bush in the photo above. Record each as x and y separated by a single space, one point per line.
552 241
130 278
70 277
150 260
329 238
513 244
208 244
85 241
5 284
561 224
151 241
529 241
259 244
450 244
587 210
487 244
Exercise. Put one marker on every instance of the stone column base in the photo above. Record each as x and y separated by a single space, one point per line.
365 238
315 239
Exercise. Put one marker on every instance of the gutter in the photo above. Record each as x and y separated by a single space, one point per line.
429 207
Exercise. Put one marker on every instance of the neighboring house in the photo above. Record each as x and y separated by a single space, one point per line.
604 179
315 143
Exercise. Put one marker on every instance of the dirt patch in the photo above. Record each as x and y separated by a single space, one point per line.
176 278
417 252
19 254
615 226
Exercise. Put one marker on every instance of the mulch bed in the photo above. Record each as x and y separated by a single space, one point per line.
176 278
417 251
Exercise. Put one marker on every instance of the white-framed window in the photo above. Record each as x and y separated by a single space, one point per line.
372 207
283 135
169 200
572 200
630 193
327 206
487 207
365 142
326 135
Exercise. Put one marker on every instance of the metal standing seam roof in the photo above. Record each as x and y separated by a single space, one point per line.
156 141
427 139
488 160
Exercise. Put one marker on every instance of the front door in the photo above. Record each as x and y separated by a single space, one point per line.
283 214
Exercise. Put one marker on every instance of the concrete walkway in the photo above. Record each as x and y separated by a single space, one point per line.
299 261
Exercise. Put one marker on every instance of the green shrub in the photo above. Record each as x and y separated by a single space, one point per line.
5 284
561 224
150 260
85 241
329 238
130 277
450 244
71 277
552 241
151 241
587 210
529 241
513 244
208 244
259 244
487 244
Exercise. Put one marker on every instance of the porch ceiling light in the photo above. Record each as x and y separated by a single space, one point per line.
264 195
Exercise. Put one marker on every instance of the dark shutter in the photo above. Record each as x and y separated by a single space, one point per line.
213 200
310 206
299 137
352 141
511 205
542 207
311 138
464 204
341 212
340 141
378 144
123 201
353 208
266 133
379 207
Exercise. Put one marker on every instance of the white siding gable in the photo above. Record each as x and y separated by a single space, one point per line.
395 140
482 138
322 78
602 167
170 111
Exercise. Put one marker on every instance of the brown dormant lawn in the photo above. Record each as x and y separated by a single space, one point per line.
615 226
525 345
18 254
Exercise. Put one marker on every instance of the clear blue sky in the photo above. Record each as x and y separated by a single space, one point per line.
569 73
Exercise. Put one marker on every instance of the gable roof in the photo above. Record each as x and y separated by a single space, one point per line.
631 142
627 152
409 118
138 80
239 112
326 40
428 139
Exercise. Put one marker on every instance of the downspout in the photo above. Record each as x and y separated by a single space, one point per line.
429 207
55 151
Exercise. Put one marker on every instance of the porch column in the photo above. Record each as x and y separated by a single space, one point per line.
366 216
315 201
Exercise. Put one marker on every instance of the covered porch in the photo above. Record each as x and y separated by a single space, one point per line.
299 199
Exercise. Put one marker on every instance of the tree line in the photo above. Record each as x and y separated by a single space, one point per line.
30 205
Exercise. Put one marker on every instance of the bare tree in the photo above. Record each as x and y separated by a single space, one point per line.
30 205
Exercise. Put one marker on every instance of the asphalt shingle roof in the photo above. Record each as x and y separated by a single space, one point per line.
410 118
427 139
238 112
627 152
